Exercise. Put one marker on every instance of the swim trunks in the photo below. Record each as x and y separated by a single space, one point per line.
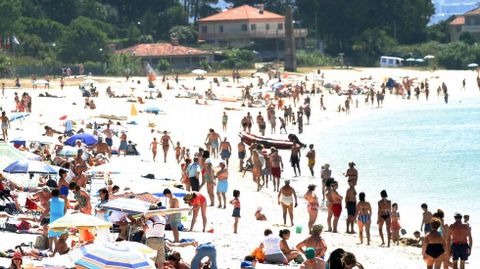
225 154
222 186
427 228
276 172
351 208
214 144
64 190
337 210
109 141
460 251
241 155
294 160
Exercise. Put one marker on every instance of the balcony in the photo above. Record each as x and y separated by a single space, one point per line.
298 33
471 28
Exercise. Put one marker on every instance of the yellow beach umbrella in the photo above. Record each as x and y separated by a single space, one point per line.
79 221
133 111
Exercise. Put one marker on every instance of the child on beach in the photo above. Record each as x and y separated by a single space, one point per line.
395 226
178 153
259 215
236 209
311 158
426 218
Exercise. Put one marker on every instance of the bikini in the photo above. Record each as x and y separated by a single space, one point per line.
434 250
364 218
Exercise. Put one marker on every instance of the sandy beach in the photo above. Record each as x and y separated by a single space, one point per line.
188 123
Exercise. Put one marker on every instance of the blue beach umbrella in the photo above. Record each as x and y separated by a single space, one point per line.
68 151
18 116
87 139
152 109
109 255
29 166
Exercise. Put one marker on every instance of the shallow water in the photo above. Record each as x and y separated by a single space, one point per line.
428 153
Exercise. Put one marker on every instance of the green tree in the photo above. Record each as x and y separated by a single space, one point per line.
372 43
185 34
63 11
163 65
118 64
467 37
10 10
82 41
47 30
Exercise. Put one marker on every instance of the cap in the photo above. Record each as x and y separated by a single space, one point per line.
318 228
247 265
457 215
310 253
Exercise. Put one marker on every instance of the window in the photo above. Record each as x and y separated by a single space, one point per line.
267 26
204 29
384 60
280 26
244 27
253 27
220 28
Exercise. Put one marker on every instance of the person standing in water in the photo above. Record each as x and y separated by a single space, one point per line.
336 205
384 216
311 159
285 198
312 207
351 205
364 217
395 224
325 174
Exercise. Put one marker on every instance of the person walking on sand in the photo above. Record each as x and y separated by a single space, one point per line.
364 217
236 209
384 216
224 121
213 142
276 165
199 203
242 152
295 158
351 206
153 147
166 140
222 185
434 246
175 219
313 206
285 198
5 126
225 150
461 238
179 152
311 159
352 173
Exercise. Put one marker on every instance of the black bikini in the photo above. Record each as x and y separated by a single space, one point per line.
434 250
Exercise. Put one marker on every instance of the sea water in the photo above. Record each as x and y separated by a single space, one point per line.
428 153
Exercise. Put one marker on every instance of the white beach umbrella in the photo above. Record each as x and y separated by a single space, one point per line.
428 57
410 60
419 60
40 82
473 65
88 82
199 72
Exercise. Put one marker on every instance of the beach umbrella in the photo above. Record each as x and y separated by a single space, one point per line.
78 221
29 166
40 82
67 151
146 197
89 82
18 116
39 139
472 65
130 206
86 139
410 60
136 246
109 256
133 111
199 72
428 57
152 109
419 60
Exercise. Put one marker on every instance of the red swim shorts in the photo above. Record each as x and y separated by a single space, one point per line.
337 210
276 172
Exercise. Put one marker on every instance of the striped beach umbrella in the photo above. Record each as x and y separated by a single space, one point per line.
109 256
79 221
130 206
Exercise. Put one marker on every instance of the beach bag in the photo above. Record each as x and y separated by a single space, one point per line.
41 242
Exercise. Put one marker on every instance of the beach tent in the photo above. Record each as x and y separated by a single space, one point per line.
133 111
86 139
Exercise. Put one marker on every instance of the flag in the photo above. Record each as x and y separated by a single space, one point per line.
15 40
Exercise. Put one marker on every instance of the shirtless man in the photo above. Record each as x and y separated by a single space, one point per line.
352 173
461 241
384 213
426 218
174 219
364 216
351 205
213 140
43 197
326 173
165 144
295 158
249 122
276 165
225 150
224 121
102 148
285 198
108 133
242 152
5 125
153 147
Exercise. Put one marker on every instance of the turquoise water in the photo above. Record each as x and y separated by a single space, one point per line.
420 154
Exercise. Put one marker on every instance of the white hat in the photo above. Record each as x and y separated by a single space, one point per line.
208 161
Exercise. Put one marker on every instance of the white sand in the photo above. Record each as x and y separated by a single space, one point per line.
189 124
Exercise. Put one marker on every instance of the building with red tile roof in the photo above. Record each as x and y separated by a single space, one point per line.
178 56
468 22
240 26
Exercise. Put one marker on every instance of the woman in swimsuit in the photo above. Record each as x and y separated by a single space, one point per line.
165 144
314 241
209 179
384 212
185 179
364 216
153 147
434 246
291 254
312 206
199 203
